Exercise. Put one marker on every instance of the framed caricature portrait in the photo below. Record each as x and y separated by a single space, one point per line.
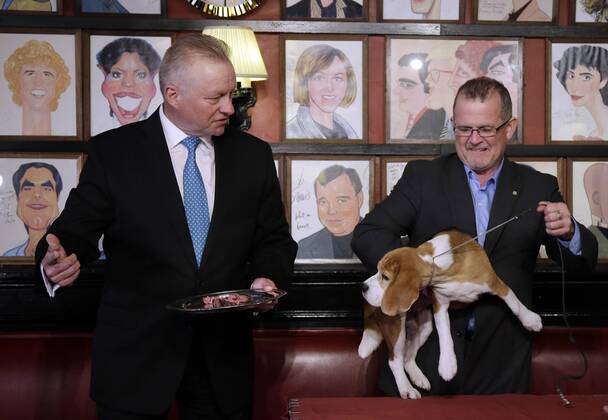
590 12
123 79
551 166
324 9
589 198
515 11
423 76
578 92
31 6
327 199
392 170
324 87
40 87
33 191
124 7
421 10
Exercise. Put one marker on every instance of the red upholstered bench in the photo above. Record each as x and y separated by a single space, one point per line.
46 375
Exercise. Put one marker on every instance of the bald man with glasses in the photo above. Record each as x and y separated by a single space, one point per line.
476 189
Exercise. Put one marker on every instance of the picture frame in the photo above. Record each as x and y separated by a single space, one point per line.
332 106
327 197
547 165
516 12
427 11
424 74
577 102
130 95
588 186
392 170
588 12
139 8
44 181
48 65
47 7
344 10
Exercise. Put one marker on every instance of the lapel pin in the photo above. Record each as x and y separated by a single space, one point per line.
514 192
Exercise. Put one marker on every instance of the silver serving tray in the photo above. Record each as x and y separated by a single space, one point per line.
226 301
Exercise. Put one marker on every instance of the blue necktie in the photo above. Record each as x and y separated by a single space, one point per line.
195 200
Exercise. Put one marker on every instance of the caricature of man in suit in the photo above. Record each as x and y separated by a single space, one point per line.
339 195
473 190
37 187
145 356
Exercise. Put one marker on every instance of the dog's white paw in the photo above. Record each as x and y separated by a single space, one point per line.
369 342
532 321
447 366
410 393
416 375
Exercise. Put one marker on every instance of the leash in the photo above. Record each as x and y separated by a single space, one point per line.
512 219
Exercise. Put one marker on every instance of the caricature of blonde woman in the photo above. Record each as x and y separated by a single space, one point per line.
37 76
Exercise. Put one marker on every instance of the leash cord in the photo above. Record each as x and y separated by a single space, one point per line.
512 219
565 401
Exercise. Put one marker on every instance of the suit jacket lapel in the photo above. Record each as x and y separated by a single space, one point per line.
507 193
160 169
458 194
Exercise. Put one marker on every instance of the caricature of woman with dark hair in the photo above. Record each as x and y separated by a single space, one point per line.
583 72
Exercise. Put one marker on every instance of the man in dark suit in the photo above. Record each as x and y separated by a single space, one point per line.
339 195
474 190
138 188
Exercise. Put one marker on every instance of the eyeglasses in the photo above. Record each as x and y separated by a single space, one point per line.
487 131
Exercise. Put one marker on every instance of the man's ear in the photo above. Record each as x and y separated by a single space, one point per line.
171 96
511 128
360 198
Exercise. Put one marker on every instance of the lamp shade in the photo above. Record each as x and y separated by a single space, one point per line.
244 52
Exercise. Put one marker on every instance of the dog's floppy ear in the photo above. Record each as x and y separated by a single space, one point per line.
402 292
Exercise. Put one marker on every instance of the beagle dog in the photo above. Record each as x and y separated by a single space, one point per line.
451 267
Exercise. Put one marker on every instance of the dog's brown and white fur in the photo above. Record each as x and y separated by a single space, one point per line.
408 281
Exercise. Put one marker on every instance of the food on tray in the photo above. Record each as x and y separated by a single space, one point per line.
224 300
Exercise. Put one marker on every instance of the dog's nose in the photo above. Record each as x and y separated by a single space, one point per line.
364 287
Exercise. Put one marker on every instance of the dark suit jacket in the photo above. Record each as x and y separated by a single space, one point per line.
128 191
434 195
429 126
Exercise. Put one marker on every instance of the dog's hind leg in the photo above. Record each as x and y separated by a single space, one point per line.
530 320
396 363
421 329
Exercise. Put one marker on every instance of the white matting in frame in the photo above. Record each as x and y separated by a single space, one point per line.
590 11
33 208
144 7
516 10
423 76
579 91
331 90
48 85
589 186
421 10
128 92
336 210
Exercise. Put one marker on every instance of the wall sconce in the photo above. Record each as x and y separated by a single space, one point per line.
248 66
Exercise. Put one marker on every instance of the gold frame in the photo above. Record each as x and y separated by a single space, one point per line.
225 11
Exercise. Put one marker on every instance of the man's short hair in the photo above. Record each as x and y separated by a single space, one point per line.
332 172
184 50
406 61
20 173
482 88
